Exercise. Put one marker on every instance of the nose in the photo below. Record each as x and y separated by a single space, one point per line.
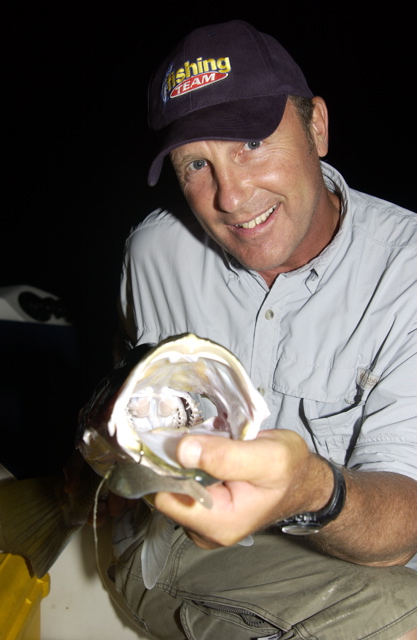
233 188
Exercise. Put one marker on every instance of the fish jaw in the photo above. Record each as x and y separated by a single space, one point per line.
157 403
187 365
140 480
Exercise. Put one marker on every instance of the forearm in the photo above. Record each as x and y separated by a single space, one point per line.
376 526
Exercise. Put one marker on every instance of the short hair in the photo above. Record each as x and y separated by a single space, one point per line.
305 108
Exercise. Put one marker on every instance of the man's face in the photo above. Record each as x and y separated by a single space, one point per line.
264 202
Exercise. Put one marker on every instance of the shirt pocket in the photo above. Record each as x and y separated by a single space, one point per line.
335 434
326 400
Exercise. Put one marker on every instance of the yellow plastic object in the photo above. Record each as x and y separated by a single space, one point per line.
20 599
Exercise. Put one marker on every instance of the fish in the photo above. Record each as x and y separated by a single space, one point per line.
128 432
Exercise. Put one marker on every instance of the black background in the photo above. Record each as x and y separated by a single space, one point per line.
75 138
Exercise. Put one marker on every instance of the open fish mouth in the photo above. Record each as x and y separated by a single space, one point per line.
166 389
184 385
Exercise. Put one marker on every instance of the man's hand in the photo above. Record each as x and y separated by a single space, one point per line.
264 480
275 476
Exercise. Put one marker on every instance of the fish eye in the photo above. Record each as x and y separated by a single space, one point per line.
253 144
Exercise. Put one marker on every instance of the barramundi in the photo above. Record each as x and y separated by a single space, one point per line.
128 433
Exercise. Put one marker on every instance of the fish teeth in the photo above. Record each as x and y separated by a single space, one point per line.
258 220
168 408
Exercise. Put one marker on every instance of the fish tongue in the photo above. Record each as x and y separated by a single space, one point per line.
164 442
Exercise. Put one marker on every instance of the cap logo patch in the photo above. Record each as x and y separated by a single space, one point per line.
194 75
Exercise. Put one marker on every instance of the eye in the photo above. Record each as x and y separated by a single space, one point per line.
253 144
196 165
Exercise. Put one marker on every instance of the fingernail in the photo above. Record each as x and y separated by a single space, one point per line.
189 452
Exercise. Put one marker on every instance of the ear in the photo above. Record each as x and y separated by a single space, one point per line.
320 126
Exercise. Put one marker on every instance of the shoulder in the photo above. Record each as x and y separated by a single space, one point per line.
166 231
374 222
383 222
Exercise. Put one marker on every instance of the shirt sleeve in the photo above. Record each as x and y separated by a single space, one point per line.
388 436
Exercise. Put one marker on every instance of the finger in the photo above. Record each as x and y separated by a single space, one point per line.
235 513
201 541
255 461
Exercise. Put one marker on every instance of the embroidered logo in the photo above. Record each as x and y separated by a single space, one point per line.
194 75
366 379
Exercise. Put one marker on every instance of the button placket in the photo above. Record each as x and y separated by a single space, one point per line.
266 336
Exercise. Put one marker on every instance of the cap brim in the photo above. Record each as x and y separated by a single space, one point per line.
247 119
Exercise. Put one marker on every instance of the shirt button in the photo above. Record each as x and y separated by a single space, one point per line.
269 314
261 391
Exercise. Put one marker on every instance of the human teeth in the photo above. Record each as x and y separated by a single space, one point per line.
258 220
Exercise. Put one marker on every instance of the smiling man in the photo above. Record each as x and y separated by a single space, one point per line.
313 286
264 202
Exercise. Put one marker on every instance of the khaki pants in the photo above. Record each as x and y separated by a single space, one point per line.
277 588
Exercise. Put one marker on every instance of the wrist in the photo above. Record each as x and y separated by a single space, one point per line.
313 521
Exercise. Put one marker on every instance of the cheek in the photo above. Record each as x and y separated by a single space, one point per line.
200 201
279 175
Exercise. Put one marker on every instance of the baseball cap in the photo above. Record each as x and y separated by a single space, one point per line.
225 81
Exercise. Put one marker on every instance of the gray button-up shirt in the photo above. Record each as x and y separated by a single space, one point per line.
331 346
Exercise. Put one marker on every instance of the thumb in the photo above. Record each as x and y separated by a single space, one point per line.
189 452
228 459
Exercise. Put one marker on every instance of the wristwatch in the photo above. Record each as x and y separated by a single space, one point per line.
303 524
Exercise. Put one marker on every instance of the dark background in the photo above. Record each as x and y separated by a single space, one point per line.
75 140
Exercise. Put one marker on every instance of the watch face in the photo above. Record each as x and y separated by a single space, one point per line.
298 529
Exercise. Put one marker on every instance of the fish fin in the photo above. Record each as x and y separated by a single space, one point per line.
156 547
246 542
32 523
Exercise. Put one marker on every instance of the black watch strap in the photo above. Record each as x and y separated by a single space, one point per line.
304 524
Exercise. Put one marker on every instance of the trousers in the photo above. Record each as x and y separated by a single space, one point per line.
278 588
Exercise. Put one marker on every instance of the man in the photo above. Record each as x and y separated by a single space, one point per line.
313 287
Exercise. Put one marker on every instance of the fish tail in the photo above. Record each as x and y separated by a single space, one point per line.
34 522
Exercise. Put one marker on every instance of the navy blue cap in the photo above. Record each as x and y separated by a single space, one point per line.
224 81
